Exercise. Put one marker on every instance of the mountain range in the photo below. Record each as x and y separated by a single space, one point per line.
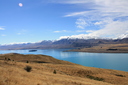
63 43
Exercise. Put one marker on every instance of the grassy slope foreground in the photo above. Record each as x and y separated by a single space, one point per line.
47 70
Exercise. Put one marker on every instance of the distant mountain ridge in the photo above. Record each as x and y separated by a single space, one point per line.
63 43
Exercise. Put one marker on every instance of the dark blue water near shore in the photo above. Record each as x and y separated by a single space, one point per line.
117 61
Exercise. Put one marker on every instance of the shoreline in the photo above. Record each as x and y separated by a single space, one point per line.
75 50
104 48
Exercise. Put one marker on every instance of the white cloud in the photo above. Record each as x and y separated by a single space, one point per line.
76 14
57 31
80 30
109 16
98 23
1 28
19 33
16 43
3 35
80 36
61 31
68 1
81 23
111 30
86 31
90 31
20 4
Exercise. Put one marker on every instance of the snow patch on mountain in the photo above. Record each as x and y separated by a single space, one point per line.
90 36
123 36
82 36
16 43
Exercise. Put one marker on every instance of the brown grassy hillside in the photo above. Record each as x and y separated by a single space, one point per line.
105 48
50 71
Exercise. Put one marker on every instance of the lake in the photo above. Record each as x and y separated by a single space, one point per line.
117 61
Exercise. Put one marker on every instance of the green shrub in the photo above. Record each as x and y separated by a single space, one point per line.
28 68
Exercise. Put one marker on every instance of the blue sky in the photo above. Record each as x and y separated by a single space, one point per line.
36 20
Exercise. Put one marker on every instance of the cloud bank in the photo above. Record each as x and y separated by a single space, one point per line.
109 18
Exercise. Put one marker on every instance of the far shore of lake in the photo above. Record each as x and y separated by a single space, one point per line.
104 48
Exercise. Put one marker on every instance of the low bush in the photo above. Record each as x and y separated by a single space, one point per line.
27 61
28 68
95 78
54 71
120 75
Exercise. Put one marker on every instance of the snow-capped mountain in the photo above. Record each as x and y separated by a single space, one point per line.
66 42
123 36
81 36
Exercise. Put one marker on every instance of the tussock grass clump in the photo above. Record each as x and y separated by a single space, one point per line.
94 78
28 68
54 71
119 75
9 59
27 61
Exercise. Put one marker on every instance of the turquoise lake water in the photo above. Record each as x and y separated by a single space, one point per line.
117 61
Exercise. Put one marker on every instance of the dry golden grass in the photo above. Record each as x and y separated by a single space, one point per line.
13 73
32 58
